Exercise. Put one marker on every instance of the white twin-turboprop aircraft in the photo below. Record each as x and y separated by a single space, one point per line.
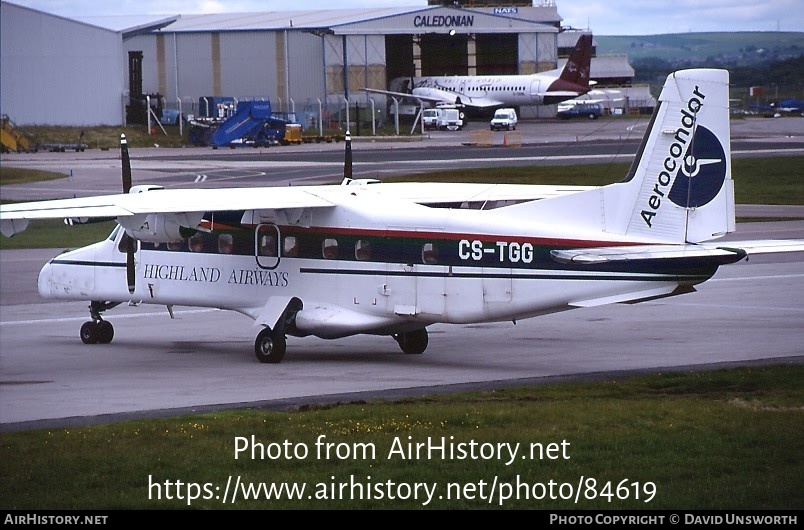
488 91
365 257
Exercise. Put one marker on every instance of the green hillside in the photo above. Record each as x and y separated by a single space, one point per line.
768 58
745 46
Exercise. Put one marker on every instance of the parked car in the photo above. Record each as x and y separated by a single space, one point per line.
579 110
503 119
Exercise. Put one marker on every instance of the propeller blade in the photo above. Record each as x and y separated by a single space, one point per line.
132 243
126 163
347 163
130 274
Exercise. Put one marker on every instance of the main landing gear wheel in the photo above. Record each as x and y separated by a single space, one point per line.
269 347
97 332
412 342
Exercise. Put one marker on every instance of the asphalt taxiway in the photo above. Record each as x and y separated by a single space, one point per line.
750 312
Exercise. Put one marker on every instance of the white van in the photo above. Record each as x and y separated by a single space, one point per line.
430 118
443 118
503 119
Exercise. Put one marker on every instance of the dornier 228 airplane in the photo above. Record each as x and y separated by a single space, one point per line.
487 91
392 259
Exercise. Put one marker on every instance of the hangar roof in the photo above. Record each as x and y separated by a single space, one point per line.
340 21
130 25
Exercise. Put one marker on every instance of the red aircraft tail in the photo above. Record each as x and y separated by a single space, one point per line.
576 71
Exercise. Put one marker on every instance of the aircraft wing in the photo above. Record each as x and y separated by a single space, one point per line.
405 95
267 198
436 95
160 201
711 252
560 93
435 192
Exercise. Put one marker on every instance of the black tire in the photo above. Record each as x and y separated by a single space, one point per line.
89 333
269 347
104 332
593 116
412 342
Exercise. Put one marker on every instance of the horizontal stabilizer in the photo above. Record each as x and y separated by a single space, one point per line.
593 256
766 246
715 253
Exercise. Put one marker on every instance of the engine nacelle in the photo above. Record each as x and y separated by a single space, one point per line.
335 322
161 227
10 227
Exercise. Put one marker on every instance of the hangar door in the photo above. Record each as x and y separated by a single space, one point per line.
363 55
441 54
497 54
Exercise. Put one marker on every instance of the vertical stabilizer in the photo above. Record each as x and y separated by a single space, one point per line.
576 69
680 180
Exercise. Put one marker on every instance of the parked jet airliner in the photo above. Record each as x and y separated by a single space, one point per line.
485 91
365 257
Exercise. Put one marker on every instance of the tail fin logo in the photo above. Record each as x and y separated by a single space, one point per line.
702 171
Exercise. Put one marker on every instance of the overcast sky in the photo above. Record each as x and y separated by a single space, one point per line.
603 17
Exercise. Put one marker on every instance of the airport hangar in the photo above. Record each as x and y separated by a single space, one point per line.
93 71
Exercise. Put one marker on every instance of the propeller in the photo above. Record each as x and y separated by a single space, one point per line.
347 163
131 245
126 164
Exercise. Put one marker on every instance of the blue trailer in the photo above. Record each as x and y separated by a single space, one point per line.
252 124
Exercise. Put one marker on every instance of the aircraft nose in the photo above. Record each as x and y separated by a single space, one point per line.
45 281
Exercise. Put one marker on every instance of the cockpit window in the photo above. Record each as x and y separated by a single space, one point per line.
113 235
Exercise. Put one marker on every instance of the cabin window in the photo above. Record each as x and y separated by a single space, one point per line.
196 243
267 245
429 254
225 244
362 250
175 245
290 247
329 248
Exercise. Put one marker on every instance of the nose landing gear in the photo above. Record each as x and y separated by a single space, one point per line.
97 330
